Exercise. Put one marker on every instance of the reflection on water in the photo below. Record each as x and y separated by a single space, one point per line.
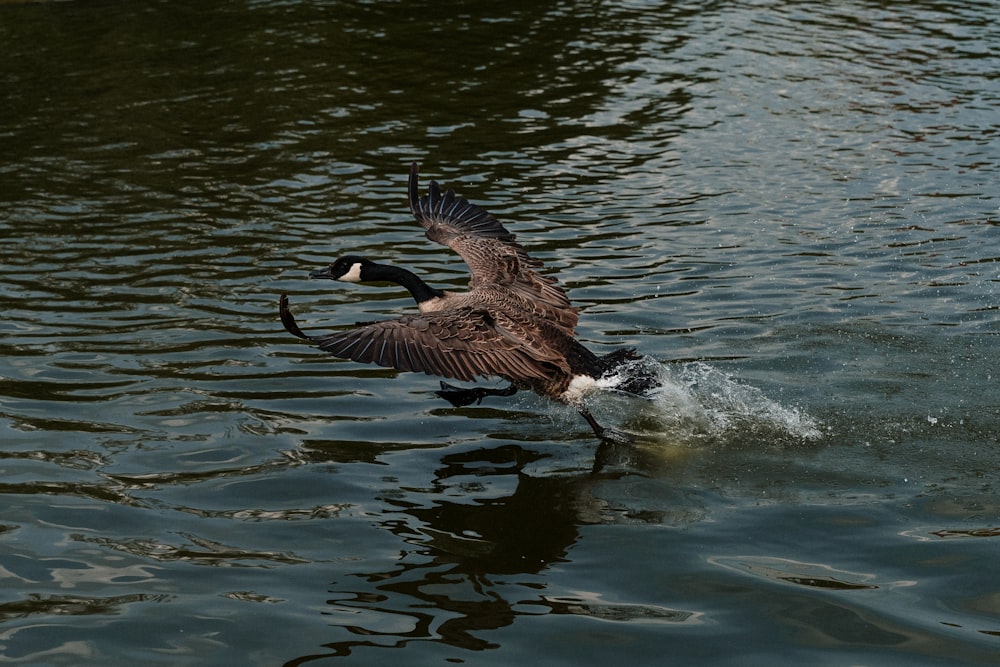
472 545
478 561
790 210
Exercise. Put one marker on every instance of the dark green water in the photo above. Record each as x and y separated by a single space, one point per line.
791 207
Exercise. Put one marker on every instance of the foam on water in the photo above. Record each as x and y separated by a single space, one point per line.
697 401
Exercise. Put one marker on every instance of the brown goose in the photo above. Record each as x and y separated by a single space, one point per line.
512 322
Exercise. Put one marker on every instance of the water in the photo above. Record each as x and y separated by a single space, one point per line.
790 209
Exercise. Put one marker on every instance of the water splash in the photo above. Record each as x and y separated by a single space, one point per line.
698 401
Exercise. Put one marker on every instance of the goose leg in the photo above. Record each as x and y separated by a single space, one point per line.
605 434
461 397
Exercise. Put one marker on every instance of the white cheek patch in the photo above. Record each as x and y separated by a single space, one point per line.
353 274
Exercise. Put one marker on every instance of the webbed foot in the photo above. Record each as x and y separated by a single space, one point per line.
460 397
609 435
615 437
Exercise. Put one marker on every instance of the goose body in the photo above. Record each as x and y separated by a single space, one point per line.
512 322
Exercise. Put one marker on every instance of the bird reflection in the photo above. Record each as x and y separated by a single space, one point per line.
474 562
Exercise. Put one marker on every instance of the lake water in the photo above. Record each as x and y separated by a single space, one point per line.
790 208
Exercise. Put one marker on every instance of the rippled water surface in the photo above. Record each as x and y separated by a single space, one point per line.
790 208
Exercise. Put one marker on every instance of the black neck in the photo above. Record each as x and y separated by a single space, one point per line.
420 290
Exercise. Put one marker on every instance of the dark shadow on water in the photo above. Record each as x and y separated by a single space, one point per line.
474 556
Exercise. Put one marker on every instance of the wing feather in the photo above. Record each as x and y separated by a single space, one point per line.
460 344
496 261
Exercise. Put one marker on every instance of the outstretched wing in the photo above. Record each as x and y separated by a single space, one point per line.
463 344
447 215
495 259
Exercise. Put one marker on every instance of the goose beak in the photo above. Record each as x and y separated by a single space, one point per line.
321 273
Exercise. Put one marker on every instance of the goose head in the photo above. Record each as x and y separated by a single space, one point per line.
349 269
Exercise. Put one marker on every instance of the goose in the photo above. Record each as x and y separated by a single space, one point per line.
512 322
